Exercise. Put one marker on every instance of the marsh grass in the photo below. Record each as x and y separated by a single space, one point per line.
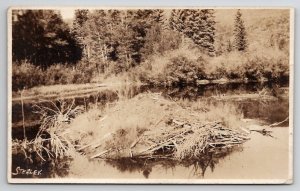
50 145
53 122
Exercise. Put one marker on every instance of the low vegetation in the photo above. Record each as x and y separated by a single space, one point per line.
49 149
26 75
183 69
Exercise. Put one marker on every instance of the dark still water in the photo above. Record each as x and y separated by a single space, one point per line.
267 103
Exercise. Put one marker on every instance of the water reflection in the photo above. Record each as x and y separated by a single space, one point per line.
255 109
208 90
266 110
30 162
146 166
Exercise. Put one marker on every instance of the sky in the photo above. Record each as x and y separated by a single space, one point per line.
67 13
222 15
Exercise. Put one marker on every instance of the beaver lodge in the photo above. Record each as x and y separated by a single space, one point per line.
149 125
145 126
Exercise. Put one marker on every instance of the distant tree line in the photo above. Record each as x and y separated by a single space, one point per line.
122 38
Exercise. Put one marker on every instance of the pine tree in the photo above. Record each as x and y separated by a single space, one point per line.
177 20
240 40
157 16
196 24
79 30
81 16
173 19
204 29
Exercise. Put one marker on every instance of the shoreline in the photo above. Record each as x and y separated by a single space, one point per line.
70 90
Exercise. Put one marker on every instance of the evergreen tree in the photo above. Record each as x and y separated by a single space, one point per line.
113 37
240 40
177 19
158 16
173 19
42 38
196 24
97 30
139 23
81 16
78 28
207 30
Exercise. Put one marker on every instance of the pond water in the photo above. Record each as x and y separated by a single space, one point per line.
269 111
261 157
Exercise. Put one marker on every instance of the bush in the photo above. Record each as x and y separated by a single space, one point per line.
252 69
26 75
58 74
182 71
270 65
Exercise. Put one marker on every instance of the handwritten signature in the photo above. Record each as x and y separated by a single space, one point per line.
28 171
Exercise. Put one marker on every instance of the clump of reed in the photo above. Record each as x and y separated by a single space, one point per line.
54 123
50 144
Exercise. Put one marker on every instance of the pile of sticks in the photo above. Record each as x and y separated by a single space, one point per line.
176 139
196 138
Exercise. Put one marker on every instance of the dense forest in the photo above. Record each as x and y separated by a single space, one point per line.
153 46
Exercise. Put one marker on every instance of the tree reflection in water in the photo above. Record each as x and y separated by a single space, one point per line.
146 165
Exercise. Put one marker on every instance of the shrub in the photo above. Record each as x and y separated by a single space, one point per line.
252 69
182 71
25 75
228 65
58 74
87 70
270 65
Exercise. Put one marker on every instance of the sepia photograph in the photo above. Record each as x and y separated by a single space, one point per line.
164 95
